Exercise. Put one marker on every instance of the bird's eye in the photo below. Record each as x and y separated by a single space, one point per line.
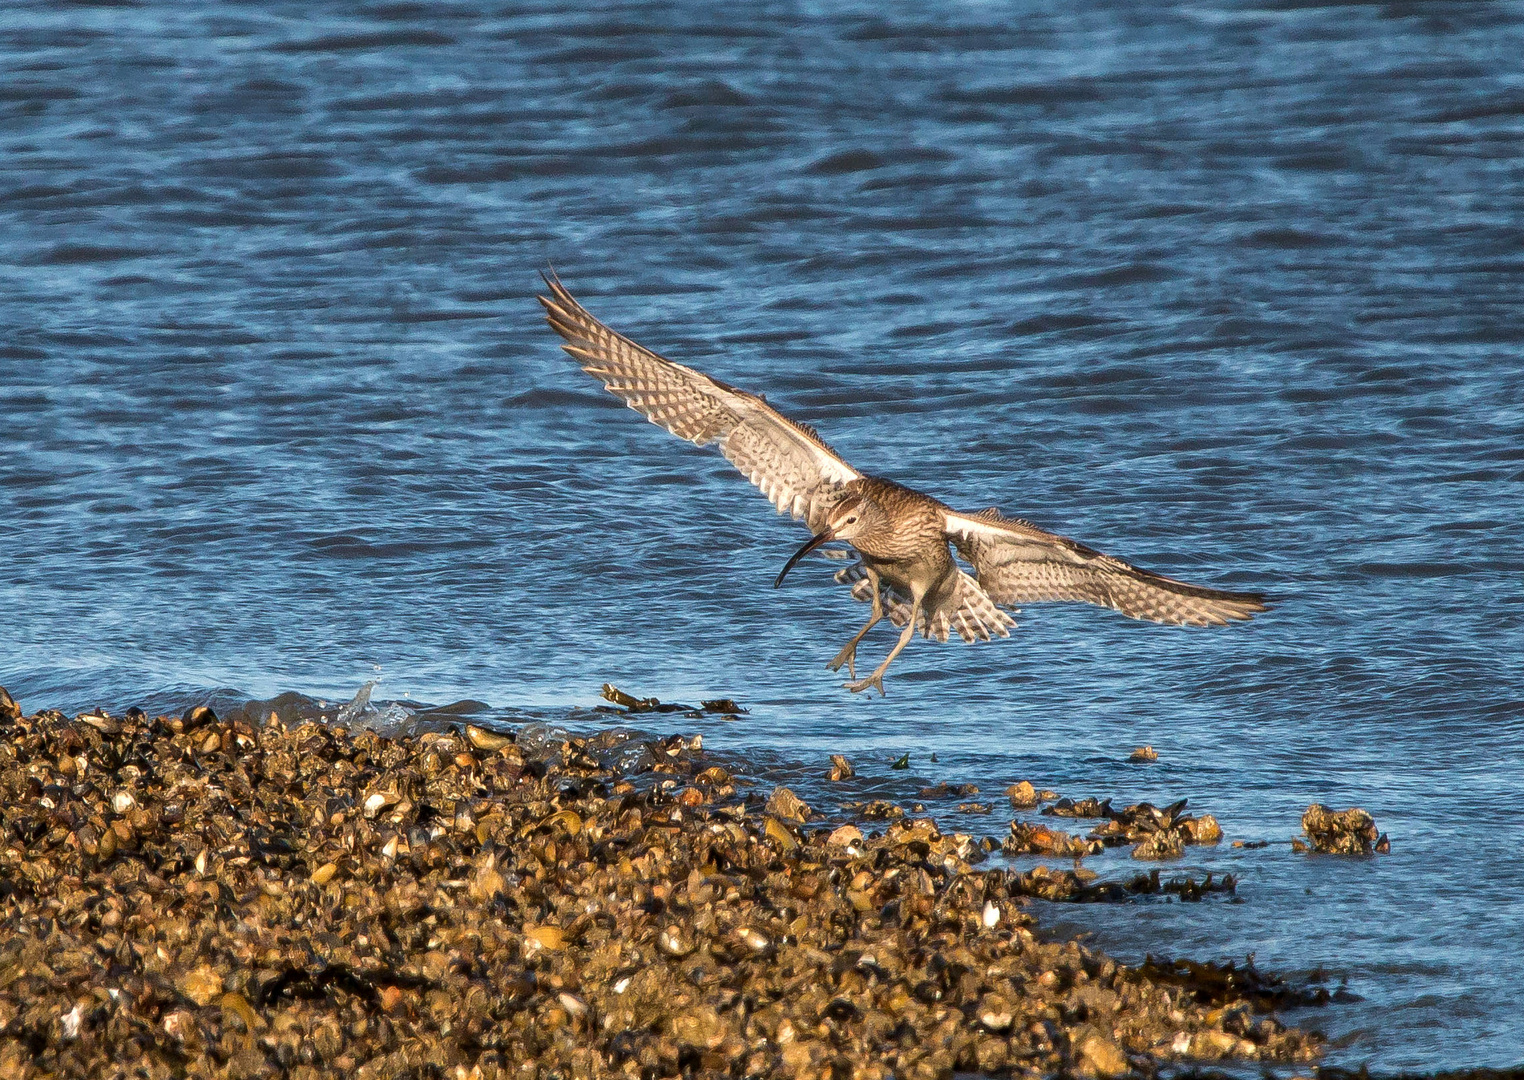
852 520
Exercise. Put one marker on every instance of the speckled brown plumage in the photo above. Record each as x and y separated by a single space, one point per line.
901 536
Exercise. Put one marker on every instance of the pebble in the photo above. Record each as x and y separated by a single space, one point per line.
1023 796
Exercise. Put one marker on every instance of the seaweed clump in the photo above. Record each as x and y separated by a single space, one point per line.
192 896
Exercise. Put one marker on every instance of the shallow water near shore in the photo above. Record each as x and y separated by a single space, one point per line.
1229 291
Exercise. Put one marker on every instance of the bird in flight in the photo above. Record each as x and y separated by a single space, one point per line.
901 537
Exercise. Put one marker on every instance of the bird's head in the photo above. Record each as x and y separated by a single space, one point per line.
850 517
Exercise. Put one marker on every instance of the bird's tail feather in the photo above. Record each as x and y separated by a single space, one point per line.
972 614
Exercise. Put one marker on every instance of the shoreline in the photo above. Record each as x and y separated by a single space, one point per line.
195 894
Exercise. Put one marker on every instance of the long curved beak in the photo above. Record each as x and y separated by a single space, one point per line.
814 542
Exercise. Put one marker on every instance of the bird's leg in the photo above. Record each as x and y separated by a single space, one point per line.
849 650
877 678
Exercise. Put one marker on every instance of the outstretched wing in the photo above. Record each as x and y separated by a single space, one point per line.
1019 563
792 464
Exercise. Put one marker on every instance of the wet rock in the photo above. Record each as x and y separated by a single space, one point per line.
1202 830
633 704
202 985
783 803
197 716
875 810
1348 832
1143 755
841 769
1161 845
723 706
1084 808
675 941
628 701
487 741
845 836
1100 1057
1033 839
546 937
9 710
945 790
1085 886
1224 984
997 1012
1023 796
780 834
1056 885
1156 832
100 721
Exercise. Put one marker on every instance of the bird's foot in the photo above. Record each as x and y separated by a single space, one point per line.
876 680
847 656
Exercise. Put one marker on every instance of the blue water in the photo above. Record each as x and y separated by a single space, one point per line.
1232 291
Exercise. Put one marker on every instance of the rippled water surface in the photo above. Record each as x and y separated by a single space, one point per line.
1230 290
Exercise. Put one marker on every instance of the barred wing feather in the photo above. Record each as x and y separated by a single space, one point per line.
1017 563
788 461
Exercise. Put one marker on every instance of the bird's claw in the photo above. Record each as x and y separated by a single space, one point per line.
847 656
876 680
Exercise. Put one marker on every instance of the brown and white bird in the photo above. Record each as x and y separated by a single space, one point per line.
904 568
